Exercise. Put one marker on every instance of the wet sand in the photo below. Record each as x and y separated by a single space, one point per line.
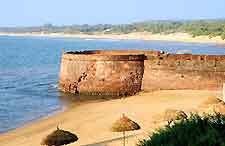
92 121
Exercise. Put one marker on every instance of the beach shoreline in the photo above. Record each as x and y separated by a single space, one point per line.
175 37
92 121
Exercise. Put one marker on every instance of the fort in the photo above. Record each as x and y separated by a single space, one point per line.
126 72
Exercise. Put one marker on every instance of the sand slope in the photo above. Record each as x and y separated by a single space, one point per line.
91 122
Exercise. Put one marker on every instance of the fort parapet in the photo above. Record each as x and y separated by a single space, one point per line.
184 71
127 72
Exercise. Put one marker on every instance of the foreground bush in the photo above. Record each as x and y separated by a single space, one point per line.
208 130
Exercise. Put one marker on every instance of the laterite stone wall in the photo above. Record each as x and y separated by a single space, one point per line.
96 73
184 71
126 72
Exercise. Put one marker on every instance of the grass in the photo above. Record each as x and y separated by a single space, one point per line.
207 130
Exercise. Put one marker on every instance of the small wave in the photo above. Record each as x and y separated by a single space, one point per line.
183 52
42 84
8 87
55 86
89 39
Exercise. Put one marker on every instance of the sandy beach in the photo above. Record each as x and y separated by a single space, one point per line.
92 121
177 37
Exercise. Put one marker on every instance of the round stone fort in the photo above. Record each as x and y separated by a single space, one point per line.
111 73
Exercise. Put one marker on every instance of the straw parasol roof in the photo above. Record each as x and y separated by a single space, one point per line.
59 137
211 101
171 115
124 124
218 108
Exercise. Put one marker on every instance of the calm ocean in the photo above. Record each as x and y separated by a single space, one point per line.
29 68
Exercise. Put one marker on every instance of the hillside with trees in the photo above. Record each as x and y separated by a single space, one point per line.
209 28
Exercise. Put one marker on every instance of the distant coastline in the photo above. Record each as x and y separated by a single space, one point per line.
177 37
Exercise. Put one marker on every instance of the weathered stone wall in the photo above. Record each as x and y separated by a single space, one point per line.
120 72
184 71
96 73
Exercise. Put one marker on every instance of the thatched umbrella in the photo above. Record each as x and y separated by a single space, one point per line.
59 137
211 101
124 124
218 108
171 115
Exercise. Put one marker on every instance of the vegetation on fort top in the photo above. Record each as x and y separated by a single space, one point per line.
208 130
210 28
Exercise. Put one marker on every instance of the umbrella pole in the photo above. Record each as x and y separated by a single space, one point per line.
124 138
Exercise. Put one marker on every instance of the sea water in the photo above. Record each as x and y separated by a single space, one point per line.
29 69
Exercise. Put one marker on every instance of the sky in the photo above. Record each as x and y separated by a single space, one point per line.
67 12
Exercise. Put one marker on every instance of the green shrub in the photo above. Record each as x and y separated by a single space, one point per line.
208 130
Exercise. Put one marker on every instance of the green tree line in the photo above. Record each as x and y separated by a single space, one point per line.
210 28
